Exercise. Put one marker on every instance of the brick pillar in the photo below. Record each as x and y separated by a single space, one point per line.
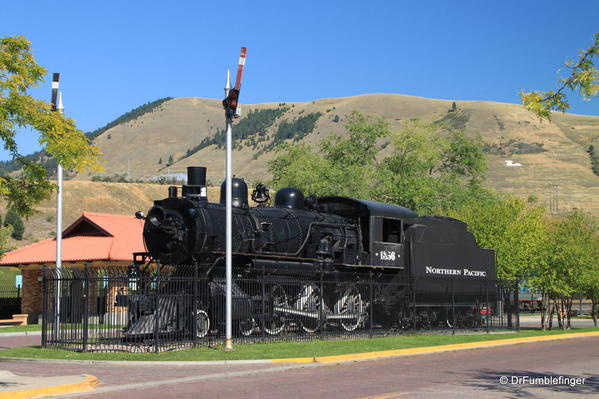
31 294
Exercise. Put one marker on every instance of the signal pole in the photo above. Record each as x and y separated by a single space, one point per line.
57 107
230 105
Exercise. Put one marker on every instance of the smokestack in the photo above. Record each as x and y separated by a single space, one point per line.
196 183
196 175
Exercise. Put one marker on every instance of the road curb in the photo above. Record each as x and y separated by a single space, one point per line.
432 349
86 385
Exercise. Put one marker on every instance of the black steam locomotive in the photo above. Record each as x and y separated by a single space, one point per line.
302 240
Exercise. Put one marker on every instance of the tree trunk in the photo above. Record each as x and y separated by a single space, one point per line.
569 302
594 309
544 309
559 312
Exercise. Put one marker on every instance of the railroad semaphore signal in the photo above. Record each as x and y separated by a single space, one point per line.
230 104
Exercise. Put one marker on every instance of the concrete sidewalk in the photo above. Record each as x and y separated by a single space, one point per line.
13 386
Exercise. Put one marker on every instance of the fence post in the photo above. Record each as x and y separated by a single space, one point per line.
370 316
194 320
517 304
45 310
452 306
321 299
157 311
263 303
85 324
487 305
414 279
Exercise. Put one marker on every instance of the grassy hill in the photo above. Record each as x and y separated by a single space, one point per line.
189 130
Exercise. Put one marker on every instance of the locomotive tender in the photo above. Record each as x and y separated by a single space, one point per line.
338 240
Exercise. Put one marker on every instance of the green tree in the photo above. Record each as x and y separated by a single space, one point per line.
517 232
18 228
170 160
514 229
13 219
10 217
344 166
583 77
573 252
589 279
4 234
428 168
594 155
58 134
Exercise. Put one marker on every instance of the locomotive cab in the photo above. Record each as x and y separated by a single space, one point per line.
381 226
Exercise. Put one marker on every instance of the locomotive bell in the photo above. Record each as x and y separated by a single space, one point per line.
239 193
289 197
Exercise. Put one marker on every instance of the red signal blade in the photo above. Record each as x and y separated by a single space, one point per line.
240 67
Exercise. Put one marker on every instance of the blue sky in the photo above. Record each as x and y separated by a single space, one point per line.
115 56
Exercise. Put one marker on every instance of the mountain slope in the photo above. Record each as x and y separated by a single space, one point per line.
550 153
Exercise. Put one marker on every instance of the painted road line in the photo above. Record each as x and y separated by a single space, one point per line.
433 349
390 395
88 384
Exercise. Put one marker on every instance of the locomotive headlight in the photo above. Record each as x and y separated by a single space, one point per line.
166 233
156 216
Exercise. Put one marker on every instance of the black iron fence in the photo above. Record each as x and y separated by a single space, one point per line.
140 309
10 299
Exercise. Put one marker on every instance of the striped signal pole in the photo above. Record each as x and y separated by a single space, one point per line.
57 107
230 104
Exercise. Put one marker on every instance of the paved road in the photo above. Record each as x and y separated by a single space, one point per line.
465 374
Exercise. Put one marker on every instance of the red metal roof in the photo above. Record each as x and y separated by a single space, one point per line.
92 237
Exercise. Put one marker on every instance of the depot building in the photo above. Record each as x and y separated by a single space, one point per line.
93 240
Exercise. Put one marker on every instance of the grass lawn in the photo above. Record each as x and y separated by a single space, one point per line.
11 329
284 349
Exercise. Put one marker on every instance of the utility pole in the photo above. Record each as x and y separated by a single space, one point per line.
57 107
231 111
